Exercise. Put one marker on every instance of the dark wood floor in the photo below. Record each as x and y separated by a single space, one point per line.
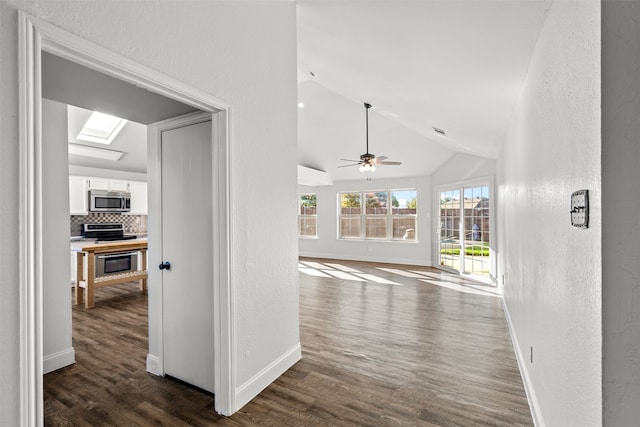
382 345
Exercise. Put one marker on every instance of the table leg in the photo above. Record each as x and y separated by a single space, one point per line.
79 291
143 282
91 275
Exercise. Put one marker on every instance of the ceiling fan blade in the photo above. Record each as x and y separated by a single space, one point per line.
349 160
381 158
390 163
353 164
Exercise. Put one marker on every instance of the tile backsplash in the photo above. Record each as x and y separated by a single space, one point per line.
132 223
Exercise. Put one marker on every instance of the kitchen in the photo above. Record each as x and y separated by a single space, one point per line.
104 207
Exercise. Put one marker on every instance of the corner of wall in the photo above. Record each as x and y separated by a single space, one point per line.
252 387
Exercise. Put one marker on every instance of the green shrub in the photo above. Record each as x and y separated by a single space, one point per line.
469 250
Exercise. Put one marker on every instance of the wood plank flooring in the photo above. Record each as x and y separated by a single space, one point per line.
382 345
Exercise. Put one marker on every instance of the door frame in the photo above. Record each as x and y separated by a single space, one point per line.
487 181
34 37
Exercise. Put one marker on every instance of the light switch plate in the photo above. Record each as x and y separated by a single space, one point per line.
580 209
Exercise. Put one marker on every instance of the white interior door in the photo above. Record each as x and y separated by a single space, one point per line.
187 245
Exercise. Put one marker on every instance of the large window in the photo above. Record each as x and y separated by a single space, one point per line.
307 216
386 215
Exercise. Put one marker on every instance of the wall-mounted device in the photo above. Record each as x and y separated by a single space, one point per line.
580 209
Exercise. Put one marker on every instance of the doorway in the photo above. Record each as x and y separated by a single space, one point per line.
465 229
37 36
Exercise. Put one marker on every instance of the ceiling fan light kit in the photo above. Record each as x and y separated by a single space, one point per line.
368 161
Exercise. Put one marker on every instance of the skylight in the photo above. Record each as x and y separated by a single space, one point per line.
101 128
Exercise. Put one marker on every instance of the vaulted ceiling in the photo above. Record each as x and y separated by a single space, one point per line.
453 65
422 64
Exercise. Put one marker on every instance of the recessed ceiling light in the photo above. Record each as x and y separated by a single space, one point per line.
300 104
98 153
439 131
101 128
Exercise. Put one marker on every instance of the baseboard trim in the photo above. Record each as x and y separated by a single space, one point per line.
262 379
534 406
58 360
384 260
153 365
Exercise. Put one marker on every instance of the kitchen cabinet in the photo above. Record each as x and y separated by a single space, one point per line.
108 184
138 191
98 184
117 185
78 197
80 185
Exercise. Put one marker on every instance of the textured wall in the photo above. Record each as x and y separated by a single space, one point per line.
553 271
241 52
620 207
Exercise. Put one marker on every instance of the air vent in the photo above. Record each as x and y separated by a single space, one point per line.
438 130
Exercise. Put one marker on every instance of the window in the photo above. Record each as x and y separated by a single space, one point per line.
403 214
350 218
307 216
378 220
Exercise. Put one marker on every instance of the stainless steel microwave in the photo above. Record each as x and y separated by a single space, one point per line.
109 201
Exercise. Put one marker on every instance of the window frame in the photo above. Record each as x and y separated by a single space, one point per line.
390 216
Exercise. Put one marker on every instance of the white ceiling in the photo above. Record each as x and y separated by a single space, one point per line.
85 90
455 65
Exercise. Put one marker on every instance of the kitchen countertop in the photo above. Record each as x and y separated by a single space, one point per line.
93 239
117 245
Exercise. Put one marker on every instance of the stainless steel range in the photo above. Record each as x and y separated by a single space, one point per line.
105 232
116 262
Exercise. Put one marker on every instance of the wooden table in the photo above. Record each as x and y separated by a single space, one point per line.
86 280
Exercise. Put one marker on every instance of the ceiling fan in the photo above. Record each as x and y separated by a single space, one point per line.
368 161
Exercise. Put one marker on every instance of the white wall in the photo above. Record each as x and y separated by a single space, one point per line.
553 271
56 311
216 47
620 207
463 167
327 245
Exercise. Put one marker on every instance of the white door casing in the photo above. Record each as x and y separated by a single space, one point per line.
36 36
187 245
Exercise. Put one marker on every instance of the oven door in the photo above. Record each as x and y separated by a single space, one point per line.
119 263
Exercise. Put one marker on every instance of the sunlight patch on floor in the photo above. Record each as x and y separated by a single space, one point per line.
343 268
344 275
376 279
467 287
341 272
312 272
402 273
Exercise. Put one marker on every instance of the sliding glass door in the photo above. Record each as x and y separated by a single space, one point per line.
465 230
